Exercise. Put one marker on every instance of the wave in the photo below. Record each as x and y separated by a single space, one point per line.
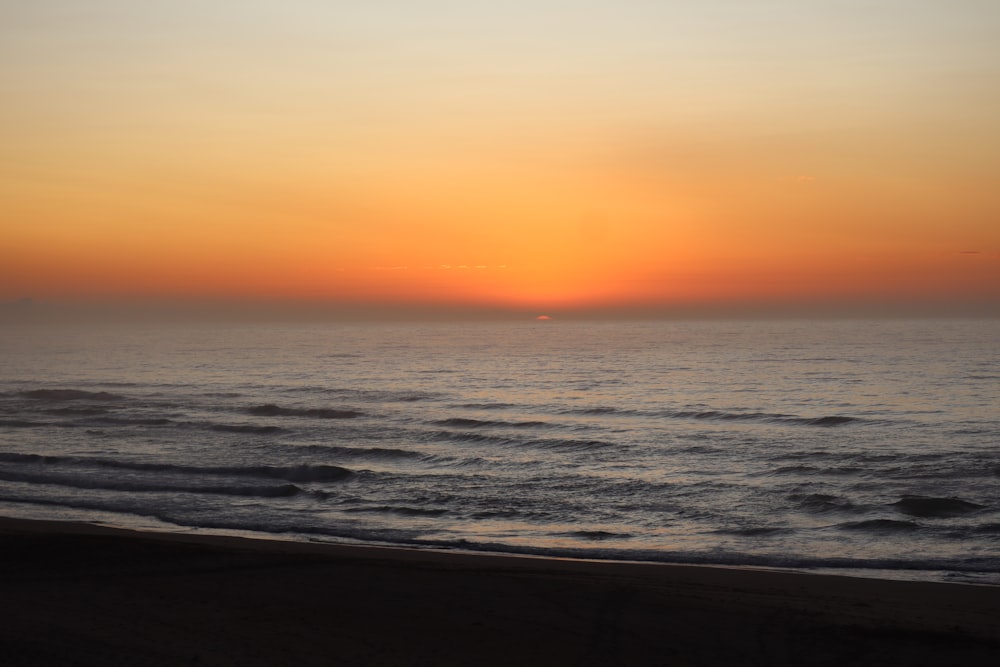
468 436
602 410
76 411
366 395
833 420
821 503
719 415
59 395
22 423
795 470
299 473
826 421
596 535
382 395
927 507
93 421
880 526
139 421
485 406
302 473
813 470
244 428
754 531
817 454
130 421
569 444
461 422
566 444
404 511
117 484
366 452
271 410
988 529
14 457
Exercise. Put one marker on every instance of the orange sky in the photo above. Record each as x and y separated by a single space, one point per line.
543 156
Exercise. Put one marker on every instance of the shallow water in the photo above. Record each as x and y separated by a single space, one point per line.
863 446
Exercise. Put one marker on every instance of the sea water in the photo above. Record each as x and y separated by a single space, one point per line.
856 446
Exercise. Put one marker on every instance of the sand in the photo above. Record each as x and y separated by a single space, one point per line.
76 594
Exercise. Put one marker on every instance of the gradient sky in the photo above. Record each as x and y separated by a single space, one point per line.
542 155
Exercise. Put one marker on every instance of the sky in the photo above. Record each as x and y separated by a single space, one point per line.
546 156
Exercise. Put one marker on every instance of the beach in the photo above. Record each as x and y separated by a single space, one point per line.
82 594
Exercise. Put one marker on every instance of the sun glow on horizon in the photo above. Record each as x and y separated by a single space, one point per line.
639 154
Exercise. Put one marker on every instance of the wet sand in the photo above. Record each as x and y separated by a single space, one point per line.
76 594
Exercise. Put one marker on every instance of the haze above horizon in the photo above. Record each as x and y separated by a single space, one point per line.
538 158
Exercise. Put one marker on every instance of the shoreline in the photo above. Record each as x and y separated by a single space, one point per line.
77 593
890 571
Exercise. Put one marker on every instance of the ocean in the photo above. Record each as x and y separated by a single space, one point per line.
860 447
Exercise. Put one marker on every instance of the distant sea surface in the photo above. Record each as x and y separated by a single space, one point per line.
861 447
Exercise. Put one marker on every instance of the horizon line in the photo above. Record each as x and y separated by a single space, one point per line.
27 310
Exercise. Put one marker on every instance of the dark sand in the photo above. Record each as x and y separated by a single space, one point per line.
73 594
